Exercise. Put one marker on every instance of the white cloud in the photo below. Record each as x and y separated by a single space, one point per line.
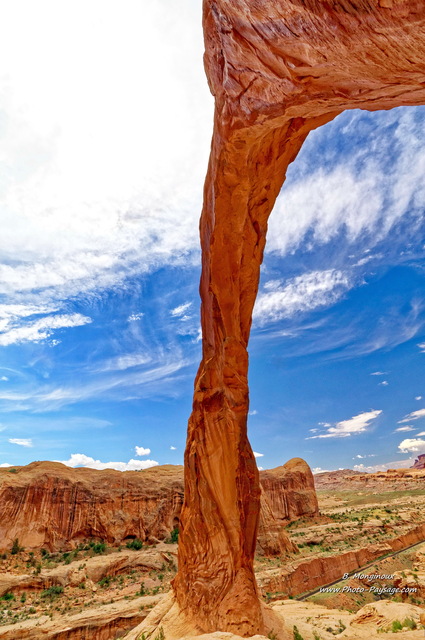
361 196
67 229
369 455
41 329
173 448
258 455
4 379
378 373
418 398
126 361
422 347
422 433
23 442
135 316
139 384
412 445
406 428
320 470
253 412
179 312
415 415
303 293
345 428
6 464
141 451
384 383
81 460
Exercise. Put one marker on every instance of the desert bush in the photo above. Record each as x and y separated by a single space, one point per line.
297 635
396 626
135 544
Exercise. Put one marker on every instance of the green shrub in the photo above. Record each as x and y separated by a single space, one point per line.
52 592
15 547
396 626
161 634
410 623
99 547
7 596
105 582
297 635
174 536
135 544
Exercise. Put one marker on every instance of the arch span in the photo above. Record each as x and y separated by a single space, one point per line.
277 70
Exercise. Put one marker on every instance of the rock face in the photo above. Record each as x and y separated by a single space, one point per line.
289 490
47 504
277 71
307 574
419 462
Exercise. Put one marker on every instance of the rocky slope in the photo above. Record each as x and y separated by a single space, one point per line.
47 504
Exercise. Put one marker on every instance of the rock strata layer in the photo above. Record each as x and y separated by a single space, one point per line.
47 504
277 70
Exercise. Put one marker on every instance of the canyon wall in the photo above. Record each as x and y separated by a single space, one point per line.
47 504
307 575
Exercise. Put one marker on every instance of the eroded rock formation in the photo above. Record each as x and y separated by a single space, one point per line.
419 462
277 71
47 504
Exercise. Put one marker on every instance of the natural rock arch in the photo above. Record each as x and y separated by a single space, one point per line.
277 70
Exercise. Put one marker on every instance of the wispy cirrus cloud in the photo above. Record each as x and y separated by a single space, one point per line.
415 415
155 380
40 329
22 442
180 311
304 293
356 195
68 230
352 426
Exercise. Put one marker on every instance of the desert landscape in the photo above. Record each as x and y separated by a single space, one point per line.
101 341
96 555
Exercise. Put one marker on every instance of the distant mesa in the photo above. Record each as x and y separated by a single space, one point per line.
419 462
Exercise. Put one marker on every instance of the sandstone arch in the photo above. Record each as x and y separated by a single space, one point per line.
277 70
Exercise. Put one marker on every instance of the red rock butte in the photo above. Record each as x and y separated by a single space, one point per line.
277 70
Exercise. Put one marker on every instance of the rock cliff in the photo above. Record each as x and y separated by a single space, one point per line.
47 504
419 462
277 71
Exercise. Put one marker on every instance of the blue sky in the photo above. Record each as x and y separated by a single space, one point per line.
104 148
